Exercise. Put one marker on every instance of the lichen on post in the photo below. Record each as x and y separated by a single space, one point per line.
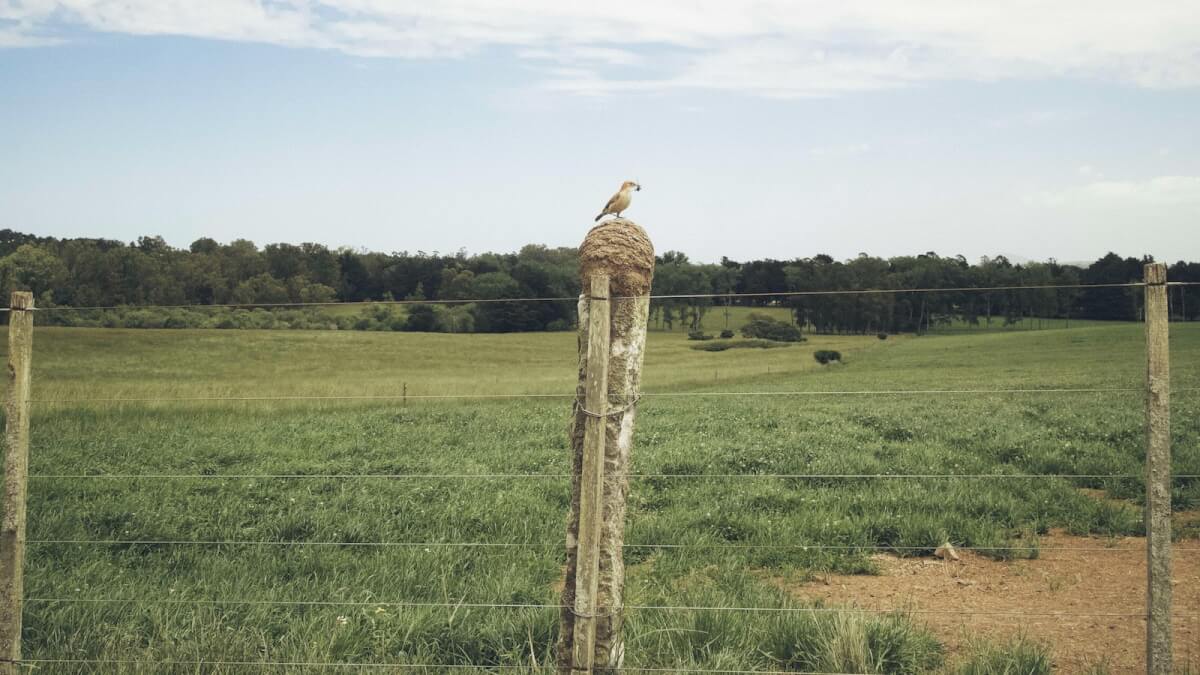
621 250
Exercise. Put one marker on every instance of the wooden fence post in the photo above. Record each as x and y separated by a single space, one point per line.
16 471
616 267
1158 474
591 484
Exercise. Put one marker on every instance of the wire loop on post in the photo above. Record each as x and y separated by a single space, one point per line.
611 413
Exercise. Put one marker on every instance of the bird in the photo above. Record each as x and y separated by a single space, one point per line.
620 201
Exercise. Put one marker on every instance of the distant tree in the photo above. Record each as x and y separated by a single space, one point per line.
102 272
1111 303
501 317
205 245
31 267
421 318
285 261
261 289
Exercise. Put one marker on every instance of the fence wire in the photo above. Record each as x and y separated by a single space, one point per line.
559 607
412 666
651 395
558 545
632 475
677 296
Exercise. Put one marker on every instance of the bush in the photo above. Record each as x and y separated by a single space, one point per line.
827 356
698 335
852 642
421 318
1021 655
381 318
882 336
720 346
766 328
726 334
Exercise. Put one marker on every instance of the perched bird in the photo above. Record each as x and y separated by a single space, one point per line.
620 201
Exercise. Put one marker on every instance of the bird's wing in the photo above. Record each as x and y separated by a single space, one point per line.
612 200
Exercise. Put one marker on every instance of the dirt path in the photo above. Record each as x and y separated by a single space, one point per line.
1111 581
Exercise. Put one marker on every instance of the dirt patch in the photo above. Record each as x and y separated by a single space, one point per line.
1098 595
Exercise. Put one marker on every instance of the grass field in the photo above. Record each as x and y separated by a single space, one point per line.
316 529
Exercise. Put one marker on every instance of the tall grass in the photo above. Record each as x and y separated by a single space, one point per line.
1019 656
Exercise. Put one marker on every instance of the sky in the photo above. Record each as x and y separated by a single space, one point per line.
768 128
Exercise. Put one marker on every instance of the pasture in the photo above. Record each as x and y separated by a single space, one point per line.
310 569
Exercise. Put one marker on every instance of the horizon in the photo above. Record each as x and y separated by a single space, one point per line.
1012 258
1050 133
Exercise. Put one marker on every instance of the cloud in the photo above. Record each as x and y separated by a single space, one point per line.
777 48
12 38
1163 191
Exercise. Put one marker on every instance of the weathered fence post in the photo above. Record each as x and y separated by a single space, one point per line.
16 470
1158 474
616 267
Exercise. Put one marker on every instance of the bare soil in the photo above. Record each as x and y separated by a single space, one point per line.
1086 605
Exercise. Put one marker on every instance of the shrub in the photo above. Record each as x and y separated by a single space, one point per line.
721 345
852 643
726 334
1020 655
380 317
764 327
827 356
882 336
145 318
421 318
698 335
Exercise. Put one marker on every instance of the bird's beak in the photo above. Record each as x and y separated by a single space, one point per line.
637 187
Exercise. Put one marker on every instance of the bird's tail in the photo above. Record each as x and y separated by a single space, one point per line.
598 218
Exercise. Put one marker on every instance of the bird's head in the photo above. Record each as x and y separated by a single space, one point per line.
631 184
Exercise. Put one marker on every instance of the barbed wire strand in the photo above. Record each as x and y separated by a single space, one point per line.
874 291
635 608
279 664
561 476
682 394
538 545
414 666
677 296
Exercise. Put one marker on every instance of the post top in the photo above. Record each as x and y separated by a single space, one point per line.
21 300
621 249
1155 273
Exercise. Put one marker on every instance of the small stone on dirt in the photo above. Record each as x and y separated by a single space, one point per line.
946 552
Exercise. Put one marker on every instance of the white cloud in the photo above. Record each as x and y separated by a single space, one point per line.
780 48
1177 192
10 37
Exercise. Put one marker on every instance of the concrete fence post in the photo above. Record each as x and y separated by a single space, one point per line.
16 472
616 267
1158 473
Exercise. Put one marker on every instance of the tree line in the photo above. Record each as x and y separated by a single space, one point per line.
86 272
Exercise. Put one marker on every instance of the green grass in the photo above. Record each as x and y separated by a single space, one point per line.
1019 656
1023 324
755 435
717 318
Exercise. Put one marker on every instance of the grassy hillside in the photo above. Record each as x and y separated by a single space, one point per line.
306 539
